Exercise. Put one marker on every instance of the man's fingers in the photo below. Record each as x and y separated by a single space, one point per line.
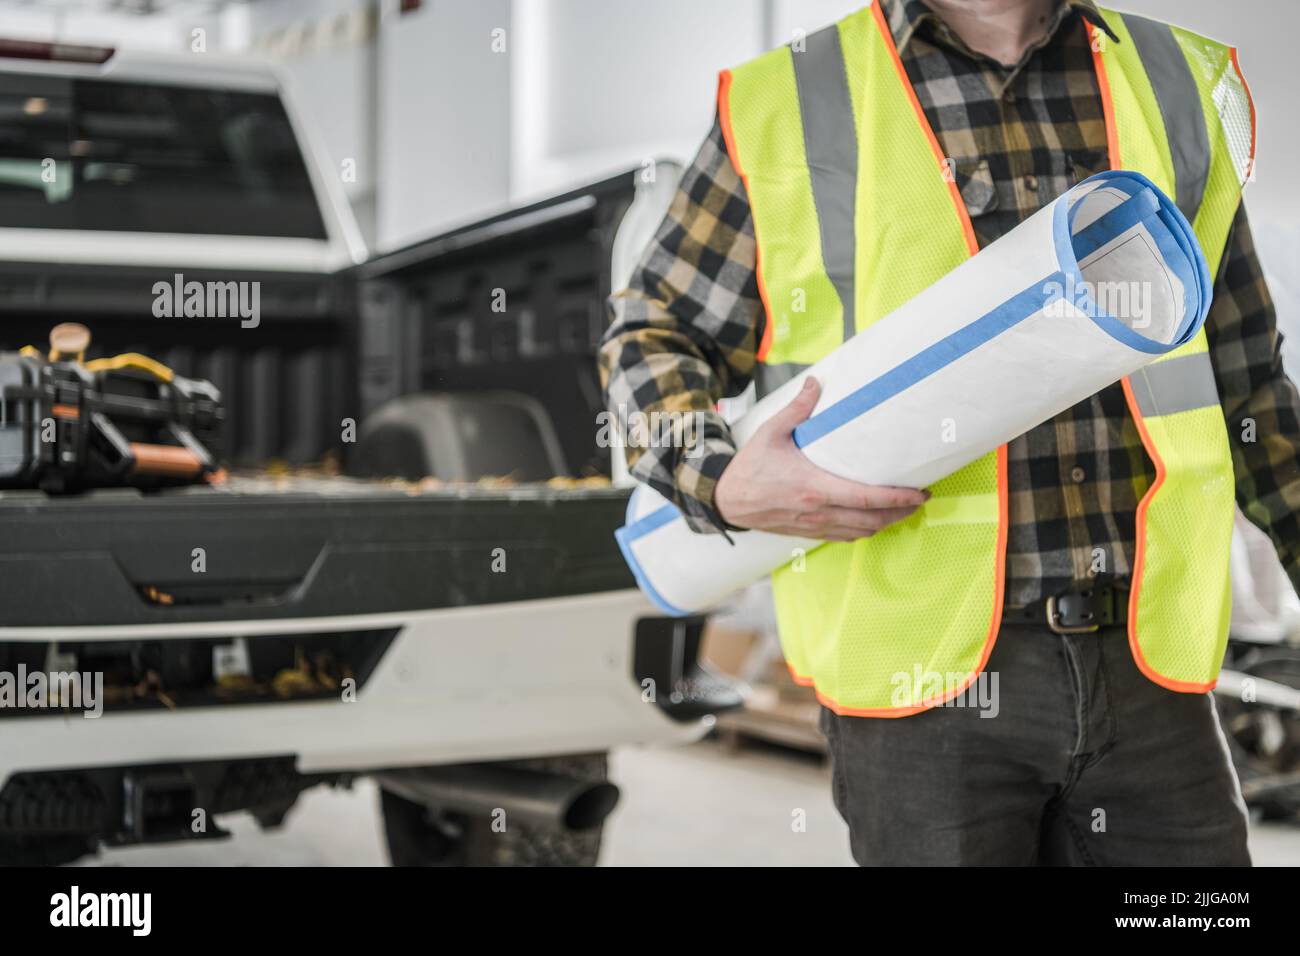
842 493
800 407
850 522
800 498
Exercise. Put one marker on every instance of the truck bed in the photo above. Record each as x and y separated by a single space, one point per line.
300 547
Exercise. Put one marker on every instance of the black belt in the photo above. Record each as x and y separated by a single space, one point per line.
1080 610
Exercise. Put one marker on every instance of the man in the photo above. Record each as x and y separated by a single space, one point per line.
1093 582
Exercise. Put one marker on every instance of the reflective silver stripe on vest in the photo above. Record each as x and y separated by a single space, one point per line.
831 145
1180 107
768 378
1175 385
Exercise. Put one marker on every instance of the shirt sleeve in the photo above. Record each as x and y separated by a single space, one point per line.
1260 404
684 334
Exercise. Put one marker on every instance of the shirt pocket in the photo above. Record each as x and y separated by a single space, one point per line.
975 183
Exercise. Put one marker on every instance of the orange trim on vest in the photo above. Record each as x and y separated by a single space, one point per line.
1250 100
1139 559
724 119
1103 87
995 625
959 204
1140 532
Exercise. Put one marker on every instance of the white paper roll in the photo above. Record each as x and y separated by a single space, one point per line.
1086 291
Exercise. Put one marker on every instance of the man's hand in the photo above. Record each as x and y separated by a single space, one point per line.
771 486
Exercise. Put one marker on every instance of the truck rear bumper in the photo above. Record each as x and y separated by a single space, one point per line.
499 681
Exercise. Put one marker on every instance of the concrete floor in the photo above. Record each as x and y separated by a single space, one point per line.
690 806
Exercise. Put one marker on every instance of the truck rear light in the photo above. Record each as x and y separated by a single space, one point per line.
61 52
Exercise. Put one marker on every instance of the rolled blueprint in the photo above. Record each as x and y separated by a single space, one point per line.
1084 292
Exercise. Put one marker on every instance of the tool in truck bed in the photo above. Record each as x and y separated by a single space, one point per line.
68 424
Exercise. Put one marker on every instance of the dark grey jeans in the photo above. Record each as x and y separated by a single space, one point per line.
1086 762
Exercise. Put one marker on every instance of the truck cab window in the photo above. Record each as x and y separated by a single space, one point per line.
106 155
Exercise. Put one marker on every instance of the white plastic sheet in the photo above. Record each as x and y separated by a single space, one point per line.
1087 290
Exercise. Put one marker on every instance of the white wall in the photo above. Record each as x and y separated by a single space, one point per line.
170 32
444 117
601 86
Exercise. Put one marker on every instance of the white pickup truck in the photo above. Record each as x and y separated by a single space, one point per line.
476 645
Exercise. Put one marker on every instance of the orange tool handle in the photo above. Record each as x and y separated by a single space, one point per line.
168 460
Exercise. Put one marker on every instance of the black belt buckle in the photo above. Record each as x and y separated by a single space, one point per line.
1072 613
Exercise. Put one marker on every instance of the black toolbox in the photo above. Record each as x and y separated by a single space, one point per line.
65 426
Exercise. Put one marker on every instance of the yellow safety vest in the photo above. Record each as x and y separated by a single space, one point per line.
897 623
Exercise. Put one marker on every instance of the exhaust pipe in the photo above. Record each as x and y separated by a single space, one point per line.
544 800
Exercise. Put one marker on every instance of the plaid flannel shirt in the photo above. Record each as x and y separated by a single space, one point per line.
685 332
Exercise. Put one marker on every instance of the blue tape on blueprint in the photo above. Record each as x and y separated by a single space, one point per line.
1176 243
627 534
1144 204
1174 252
1127 183
1125 216
1181 231
925 363
655 519
1181 227
1145 207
